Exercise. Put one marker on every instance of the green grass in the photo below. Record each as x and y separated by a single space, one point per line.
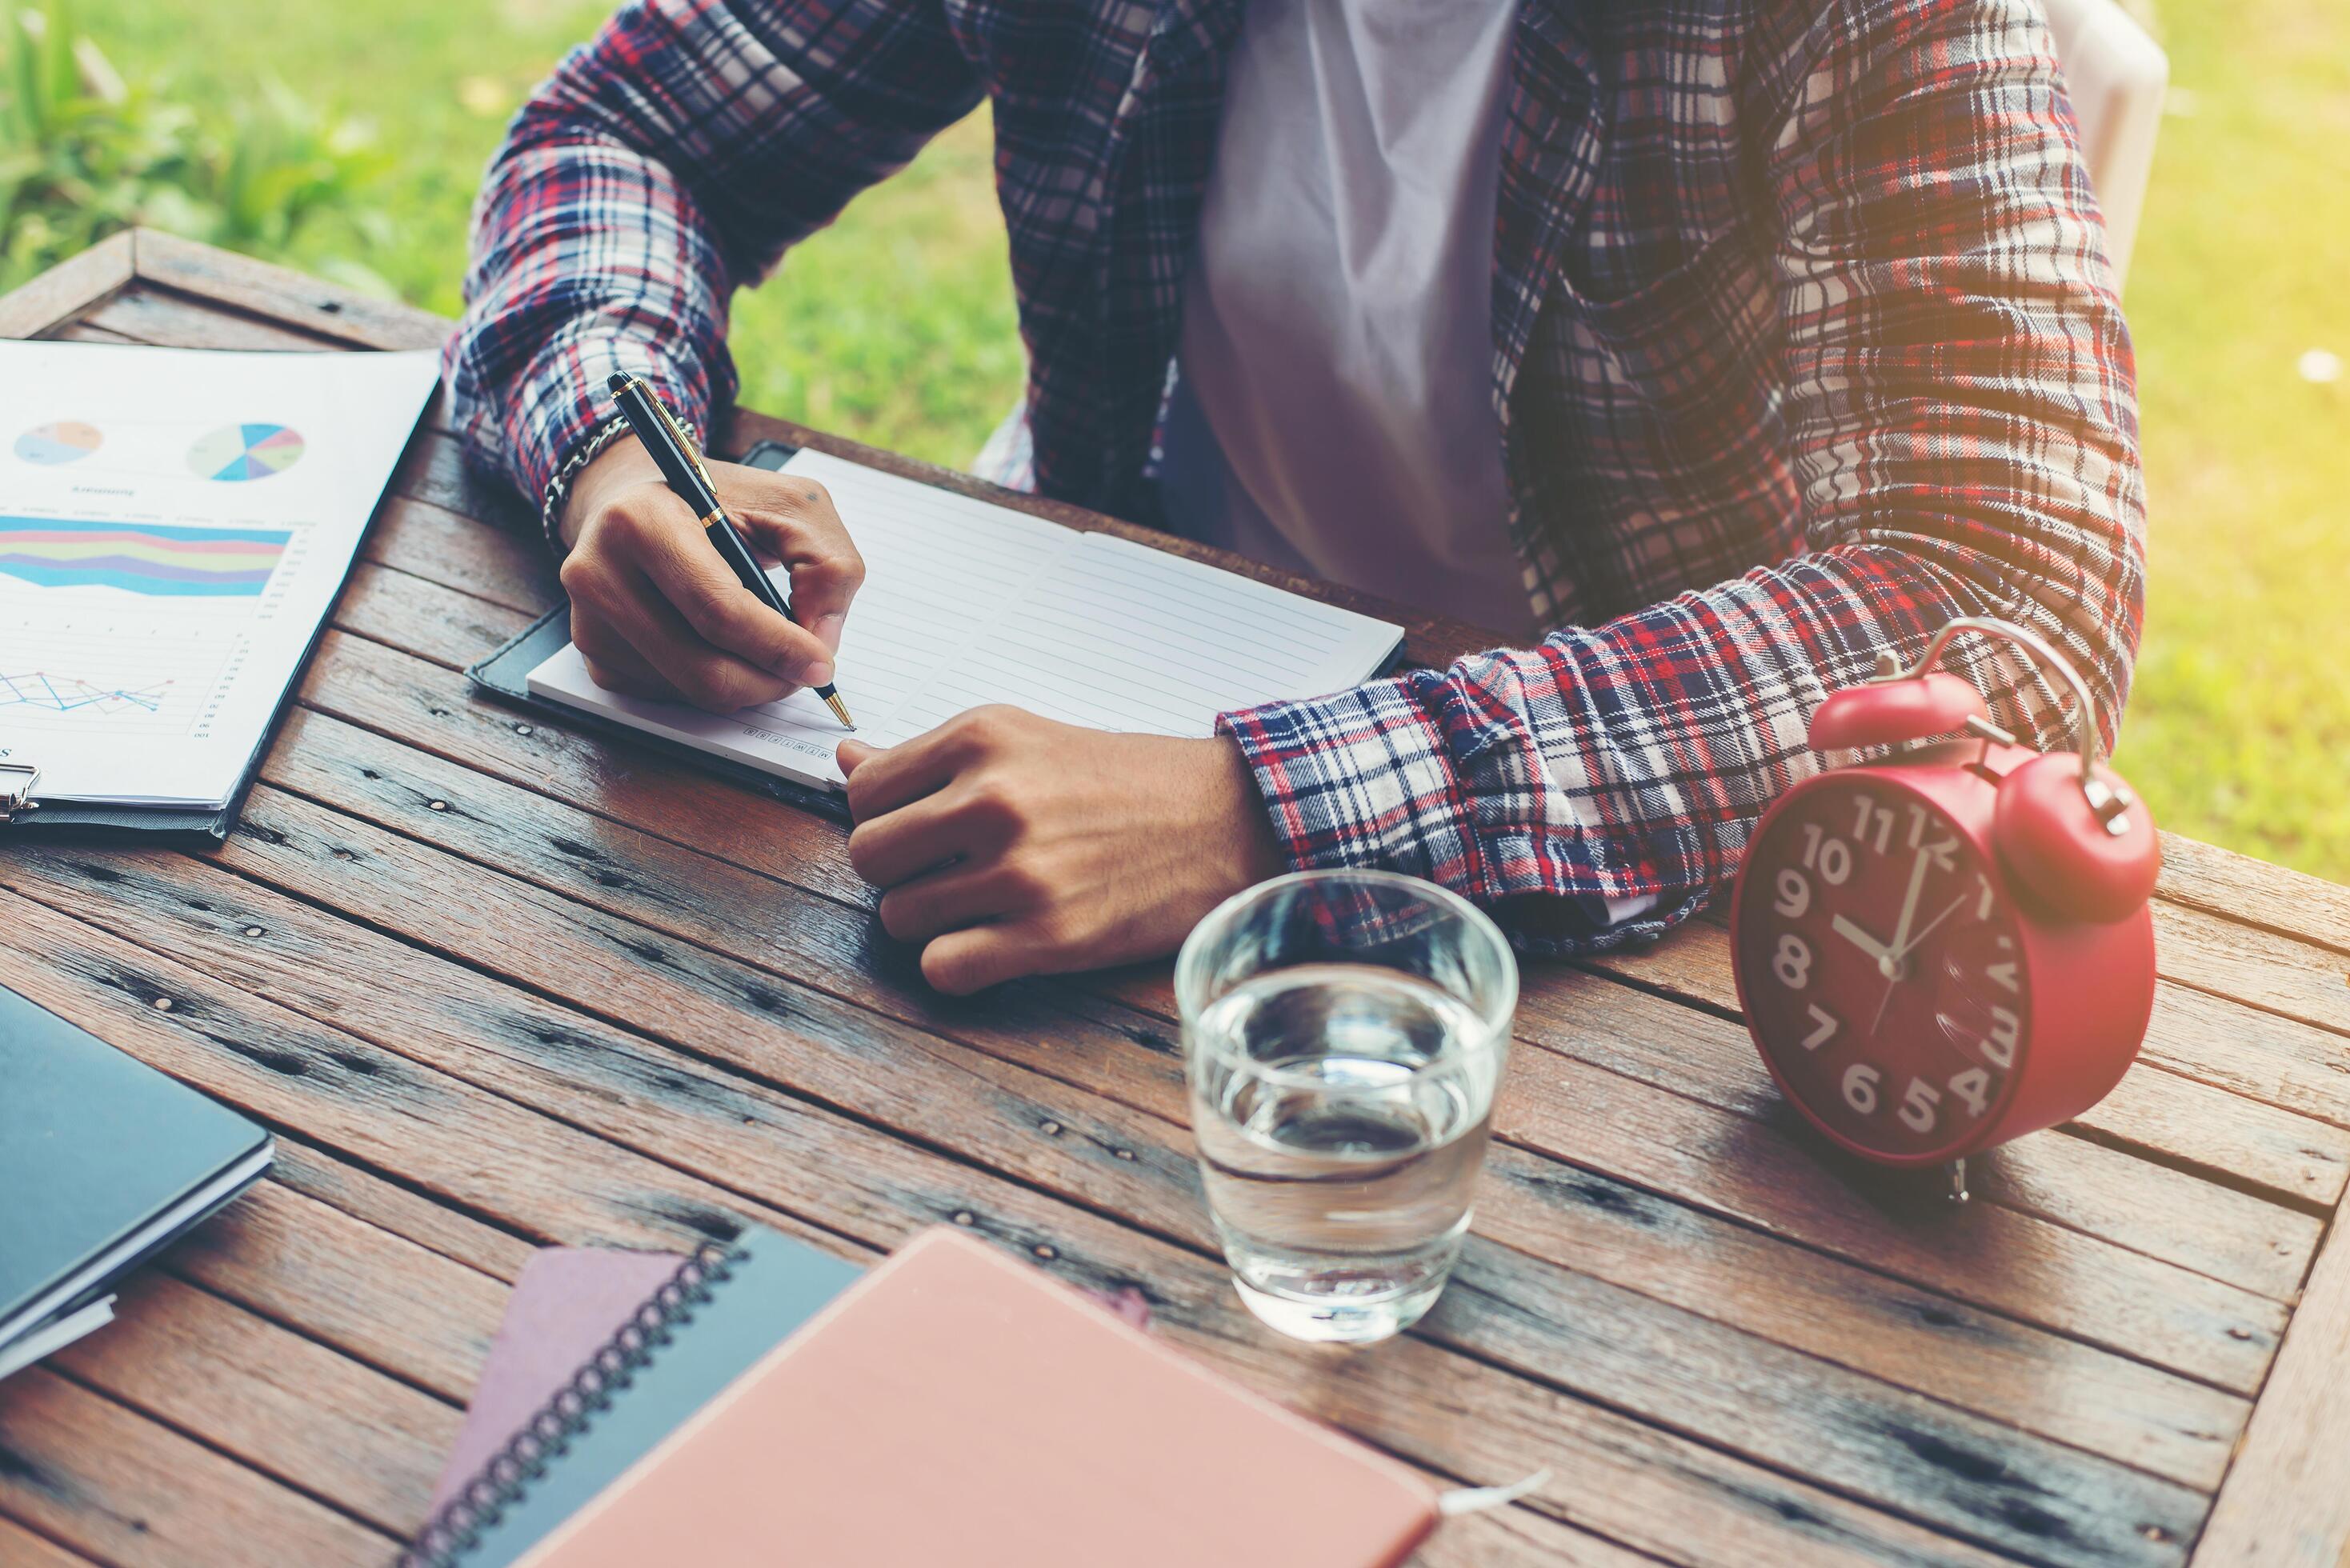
897 325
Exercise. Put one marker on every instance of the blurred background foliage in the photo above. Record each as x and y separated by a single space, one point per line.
897 325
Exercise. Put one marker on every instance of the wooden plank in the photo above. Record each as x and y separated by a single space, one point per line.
222 278
438 1227
2287 1497
440 546
2160 1314
2198 1123
2277 1061
288 1407
2133 1202
20 1548
2222 882
144 314
2198 1126
309 1266
2279 973
50 301
242 1049
381 602
121 1489
2106 1403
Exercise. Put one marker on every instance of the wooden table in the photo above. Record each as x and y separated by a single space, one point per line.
496 985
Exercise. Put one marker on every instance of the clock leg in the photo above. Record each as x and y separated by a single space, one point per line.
1957 1171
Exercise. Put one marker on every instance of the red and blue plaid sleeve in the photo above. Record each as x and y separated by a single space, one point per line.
1963 433
671 159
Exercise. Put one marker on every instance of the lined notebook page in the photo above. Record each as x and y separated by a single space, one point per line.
966 603
1118 635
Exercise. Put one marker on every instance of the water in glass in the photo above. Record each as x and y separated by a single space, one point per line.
1341 1113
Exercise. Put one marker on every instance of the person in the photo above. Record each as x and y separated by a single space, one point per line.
1701 353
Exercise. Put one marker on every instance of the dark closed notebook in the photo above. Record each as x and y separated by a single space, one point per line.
103 1162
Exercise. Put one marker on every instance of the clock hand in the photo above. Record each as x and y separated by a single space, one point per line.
1901 943
1903 952
1862 940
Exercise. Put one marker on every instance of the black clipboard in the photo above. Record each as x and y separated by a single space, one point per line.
505 675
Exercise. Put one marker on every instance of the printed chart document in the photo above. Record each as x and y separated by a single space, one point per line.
966 603
174 523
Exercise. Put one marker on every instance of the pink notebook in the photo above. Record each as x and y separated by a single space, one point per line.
958 1406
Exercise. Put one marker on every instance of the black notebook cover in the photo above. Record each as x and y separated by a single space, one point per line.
94 1146
721 1313
505 675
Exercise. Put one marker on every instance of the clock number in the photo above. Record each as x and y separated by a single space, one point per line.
1999 1040
1828 856
1973 1087
1883 815
1917 1105
1827 1030
2004 975
1860 1087
1942 850
1793 962
1984 904
1794 893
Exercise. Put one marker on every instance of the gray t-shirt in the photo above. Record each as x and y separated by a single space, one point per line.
1333 412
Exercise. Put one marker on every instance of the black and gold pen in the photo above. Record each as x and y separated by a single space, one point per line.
672 451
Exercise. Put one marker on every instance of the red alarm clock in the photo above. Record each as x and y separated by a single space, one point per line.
1951 948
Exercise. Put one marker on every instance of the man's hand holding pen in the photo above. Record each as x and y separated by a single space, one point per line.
656 613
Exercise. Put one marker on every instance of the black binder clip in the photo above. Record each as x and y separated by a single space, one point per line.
17 781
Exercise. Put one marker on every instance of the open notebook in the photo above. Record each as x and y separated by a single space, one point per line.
966 603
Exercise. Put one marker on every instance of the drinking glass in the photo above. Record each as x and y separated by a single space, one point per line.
1343 1034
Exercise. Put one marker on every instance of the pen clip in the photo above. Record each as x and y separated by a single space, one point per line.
684 441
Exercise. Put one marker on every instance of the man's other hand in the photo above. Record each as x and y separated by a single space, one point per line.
656 612
1008 844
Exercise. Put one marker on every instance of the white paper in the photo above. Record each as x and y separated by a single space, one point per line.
173 525
52 1337
966 603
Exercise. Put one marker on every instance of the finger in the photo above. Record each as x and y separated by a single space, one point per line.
695 581
888 780
628 675
948 899
852 755
792 519
962 963
704 674
903 844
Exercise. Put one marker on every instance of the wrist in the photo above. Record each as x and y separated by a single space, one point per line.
1256 850
624 463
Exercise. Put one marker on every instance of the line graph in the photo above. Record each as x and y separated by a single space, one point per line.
137 678
68 694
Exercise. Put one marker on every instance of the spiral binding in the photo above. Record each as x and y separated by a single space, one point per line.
453 1532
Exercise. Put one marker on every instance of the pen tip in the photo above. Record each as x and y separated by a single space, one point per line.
841 712
618 380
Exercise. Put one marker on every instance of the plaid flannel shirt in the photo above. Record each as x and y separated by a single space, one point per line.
1805 342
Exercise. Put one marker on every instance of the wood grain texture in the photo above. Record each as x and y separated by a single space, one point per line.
373 1296
740 1132
2105 1402
46 304
2287 1497
20 1548
2134 1304
121 1489
290 1407
495 984
251 1053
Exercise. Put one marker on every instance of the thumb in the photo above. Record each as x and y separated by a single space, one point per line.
853 754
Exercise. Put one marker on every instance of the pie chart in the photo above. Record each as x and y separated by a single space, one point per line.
245 452
67 440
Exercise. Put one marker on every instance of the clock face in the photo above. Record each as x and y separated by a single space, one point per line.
1883 970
